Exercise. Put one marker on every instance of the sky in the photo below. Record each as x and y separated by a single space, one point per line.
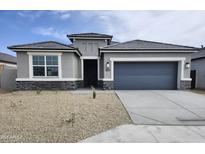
178 27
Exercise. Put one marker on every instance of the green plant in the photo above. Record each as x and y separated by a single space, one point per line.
38 91
12 104
11 90
93 92
71 120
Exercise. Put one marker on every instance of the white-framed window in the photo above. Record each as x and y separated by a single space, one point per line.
45 65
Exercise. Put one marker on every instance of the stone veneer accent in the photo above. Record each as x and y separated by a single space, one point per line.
185 85
48 85
72 85
107 85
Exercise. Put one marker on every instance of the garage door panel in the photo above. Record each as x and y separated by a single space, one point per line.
145 75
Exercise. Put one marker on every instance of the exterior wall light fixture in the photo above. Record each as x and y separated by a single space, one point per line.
187 65
107 66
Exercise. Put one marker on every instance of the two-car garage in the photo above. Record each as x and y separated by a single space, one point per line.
145 75
146 65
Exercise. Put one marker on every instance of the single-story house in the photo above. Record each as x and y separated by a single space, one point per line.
8 71
93 59
198 69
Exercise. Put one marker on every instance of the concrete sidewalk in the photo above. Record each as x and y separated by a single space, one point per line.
150 134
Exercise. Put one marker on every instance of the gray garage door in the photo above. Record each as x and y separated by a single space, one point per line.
145 75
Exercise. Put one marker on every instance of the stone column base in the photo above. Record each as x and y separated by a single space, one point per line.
185 85
107 85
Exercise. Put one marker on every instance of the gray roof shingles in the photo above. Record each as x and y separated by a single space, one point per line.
113 42
7 58
145 45
96 35
52 45
46 45
198 55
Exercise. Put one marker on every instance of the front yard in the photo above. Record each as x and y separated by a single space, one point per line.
57 116
199 91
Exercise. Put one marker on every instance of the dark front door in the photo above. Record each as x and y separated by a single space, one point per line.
90 73
193 77
145 75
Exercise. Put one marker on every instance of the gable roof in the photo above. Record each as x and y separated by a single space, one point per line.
45 45
97 35
89 35
42 45
198 55
7 58
145 45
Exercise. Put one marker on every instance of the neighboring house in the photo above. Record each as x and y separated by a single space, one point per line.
8 71
94 60
198 69
7 60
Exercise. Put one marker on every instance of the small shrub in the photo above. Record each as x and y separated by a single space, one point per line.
71 120
12 104
11 90
93 92
38 91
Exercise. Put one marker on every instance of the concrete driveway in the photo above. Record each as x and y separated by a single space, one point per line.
167 107
150 134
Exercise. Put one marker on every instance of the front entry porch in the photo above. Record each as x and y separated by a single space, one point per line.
90 72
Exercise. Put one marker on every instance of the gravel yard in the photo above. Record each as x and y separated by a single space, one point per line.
199 91
57 116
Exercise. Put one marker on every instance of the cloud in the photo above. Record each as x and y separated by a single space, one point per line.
50 31
63 15
30 14
180 27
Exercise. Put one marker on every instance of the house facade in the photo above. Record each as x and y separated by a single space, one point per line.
95 60
198 69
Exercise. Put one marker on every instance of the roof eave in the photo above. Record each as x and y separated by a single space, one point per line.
43 49
10 62
71 38
161 49
11 48
198 58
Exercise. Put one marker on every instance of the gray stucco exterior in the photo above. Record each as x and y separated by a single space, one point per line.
22 65
71 65
89 47
199 66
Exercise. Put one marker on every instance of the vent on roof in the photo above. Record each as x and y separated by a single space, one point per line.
202 46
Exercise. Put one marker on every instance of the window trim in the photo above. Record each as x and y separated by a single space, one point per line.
44 65
31 75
